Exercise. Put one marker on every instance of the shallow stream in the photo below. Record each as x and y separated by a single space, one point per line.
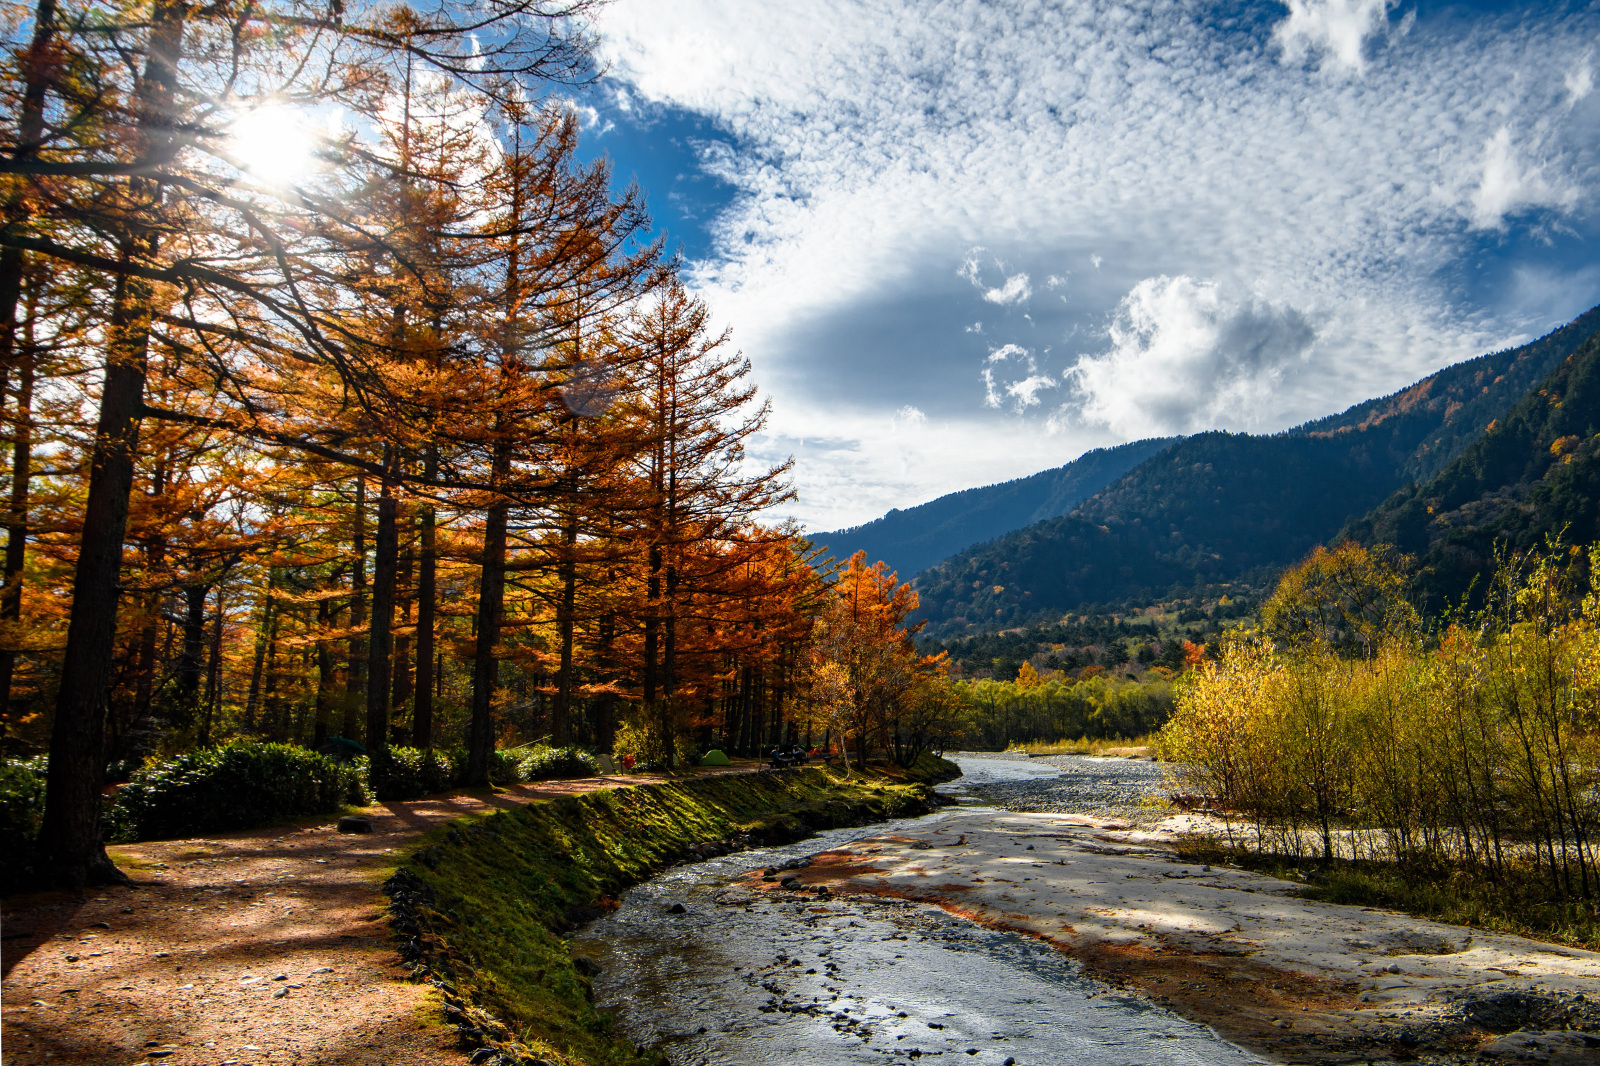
754 978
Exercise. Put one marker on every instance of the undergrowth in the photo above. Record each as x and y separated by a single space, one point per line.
1522 902
483 904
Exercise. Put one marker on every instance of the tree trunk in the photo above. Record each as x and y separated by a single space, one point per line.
319 729
491 600
252 702
355 678
213 700
274 726
71 829
422 712
403 594
17 518
194 639
561 713
380 645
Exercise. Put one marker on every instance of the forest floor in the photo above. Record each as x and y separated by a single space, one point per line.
1077 860
268 946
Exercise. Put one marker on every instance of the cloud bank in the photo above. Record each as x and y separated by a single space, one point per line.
1265 213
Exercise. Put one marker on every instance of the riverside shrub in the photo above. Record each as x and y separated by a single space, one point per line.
1479 749
21 811
237 786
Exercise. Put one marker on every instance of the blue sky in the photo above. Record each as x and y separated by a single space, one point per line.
968 240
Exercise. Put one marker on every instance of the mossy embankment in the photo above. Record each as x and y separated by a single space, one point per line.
482 906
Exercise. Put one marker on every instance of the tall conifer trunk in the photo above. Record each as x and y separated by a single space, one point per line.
319 730
194 639
355 677
17 513
422 713
71 829
561 713
380 646
491 601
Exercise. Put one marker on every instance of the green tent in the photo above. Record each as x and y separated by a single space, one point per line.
714 757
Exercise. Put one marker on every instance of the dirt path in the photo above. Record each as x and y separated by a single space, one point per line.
261 947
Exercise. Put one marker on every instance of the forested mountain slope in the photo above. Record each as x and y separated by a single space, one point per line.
1535 472
913 539
1220 506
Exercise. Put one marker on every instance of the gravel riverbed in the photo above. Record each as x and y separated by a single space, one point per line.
1057 784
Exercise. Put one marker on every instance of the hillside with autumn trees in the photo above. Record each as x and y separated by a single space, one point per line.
422 449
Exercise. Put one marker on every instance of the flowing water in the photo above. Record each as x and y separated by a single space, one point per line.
752 978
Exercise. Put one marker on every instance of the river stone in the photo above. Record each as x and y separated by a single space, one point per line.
355 823
677 908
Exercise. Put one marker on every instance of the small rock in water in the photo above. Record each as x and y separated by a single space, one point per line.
677 908
585 965
355 823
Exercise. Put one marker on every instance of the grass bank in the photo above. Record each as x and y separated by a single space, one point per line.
1522 901
482 906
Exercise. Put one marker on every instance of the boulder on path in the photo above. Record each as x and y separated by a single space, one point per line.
355 823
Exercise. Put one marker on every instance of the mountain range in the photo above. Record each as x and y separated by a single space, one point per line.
1533 474
913 539
1226 507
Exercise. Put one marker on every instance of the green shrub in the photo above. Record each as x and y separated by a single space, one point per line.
237 786
505 767
409 773
21 811
540 763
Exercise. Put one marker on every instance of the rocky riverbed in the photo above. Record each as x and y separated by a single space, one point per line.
1047 919
1070 851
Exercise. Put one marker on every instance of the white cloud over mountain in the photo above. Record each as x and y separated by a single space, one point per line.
1297 207
1184 357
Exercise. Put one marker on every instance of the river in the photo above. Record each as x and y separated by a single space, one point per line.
746 977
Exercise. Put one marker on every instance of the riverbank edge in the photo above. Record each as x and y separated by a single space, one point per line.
480 906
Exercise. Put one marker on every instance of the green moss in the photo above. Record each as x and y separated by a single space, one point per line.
482 904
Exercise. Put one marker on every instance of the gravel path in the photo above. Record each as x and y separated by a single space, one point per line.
1057 784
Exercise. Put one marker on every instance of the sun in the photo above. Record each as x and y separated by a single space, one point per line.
273 144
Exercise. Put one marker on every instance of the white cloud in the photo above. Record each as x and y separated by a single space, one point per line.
1007 351
1014 291
1337 28
907 418
875 146
1579 82
1185 357
1506 186
1026 391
